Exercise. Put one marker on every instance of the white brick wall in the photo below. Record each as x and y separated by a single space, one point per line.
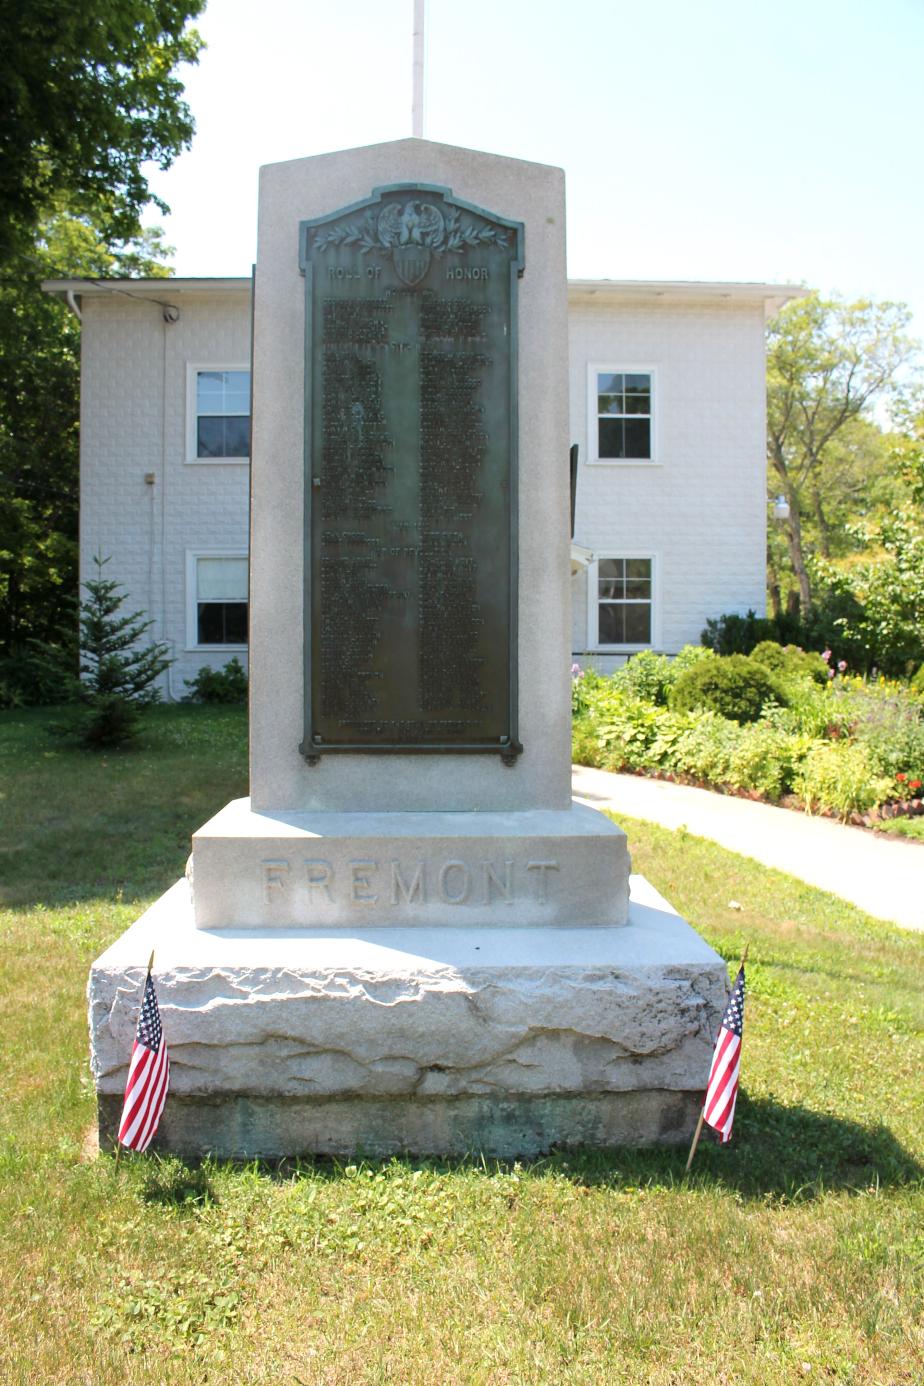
701 510
133 421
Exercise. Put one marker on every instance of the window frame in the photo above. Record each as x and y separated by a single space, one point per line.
596 368
593 602
192 600
193 369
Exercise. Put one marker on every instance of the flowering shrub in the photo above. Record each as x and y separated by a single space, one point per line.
906 786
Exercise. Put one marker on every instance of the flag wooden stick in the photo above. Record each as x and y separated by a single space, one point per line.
702 1111
144 988
696 1135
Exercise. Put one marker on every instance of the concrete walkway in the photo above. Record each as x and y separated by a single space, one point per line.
883 876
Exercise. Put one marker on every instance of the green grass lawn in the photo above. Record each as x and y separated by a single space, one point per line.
912 828
795 1254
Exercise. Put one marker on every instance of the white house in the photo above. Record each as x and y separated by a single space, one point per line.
667 402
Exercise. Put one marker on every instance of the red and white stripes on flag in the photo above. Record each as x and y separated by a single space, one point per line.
722 1091
148 1076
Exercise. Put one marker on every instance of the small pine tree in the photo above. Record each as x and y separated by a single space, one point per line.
117 677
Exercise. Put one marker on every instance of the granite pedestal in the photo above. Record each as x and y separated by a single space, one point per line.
421 1040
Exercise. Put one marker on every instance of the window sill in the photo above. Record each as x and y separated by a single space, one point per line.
619 649
215 649
623 462
218 461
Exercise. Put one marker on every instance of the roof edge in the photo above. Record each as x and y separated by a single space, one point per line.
772 296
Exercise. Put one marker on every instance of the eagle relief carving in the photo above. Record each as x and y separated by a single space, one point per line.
411 233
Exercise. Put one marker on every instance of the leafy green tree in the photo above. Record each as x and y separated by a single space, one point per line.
888 587
39 413
829 363
90 96
118 676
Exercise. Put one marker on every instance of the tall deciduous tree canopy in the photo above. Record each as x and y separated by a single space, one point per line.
88 94
828 364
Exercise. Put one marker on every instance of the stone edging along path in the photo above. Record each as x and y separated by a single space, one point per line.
883 876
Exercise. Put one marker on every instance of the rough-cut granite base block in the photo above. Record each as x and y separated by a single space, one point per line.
299 870
418 1039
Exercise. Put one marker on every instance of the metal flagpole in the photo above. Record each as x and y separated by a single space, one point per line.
417 108
702 1111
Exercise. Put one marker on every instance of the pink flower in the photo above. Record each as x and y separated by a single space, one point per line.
826 655
842 665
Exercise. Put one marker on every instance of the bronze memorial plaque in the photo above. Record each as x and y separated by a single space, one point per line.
411 502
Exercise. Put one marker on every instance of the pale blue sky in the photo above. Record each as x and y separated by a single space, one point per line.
718 140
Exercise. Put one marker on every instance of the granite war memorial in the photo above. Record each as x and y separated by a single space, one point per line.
410 937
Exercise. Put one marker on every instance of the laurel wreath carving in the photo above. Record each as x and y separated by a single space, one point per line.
417 223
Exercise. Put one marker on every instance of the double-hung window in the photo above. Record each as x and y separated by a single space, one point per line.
218 411
216 590
621 603
621 415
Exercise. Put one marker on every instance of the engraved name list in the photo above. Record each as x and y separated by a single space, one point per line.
410 407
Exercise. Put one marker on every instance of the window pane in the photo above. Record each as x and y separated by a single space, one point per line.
610 404
638 394
612 589
609 384
610 577
611 625
612 438
221 579
637 623
222 623
222 437
638 588
211 623
637 438
223 392
235 623
209 387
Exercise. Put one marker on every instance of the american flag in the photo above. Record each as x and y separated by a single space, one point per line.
148 1076
722 1092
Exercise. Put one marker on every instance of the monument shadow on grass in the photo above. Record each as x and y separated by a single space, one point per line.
787 1153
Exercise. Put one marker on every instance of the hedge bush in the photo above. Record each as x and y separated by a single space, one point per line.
791 662
734 687
227 685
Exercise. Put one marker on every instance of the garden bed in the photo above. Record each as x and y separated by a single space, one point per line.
808 737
